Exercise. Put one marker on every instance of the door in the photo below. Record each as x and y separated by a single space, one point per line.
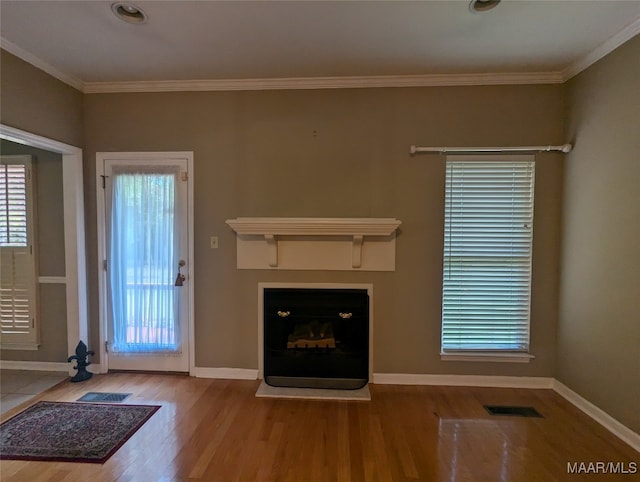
147 269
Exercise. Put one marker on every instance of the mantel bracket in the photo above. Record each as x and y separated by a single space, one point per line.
356 253
272 244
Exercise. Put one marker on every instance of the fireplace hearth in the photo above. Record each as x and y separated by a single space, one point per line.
316 337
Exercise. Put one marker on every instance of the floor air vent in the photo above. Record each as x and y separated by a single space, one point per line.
512 411
103 397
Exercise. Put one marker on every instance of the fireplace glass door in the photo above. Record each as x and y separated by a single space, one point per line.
316 338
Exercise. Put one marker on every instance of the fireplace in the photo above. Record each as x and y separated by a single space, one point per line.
316 337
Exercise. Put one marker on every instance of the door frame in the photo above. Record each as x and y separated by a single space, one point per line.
102 246
75 278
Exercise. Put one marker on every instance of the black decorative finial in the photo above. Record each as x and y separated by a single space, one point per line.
81 358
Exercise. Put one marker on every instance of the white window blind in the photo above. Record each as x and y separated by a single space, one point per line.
17 267
487 253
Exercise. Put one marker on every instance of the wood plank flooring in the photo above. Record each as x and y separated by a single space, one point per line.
217 430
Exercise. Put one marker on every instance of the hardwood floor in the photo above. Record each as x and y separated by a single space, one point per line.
217 430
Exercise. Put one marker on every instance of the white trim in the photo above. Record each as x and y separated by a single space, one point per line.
291 83
487 357
96 368
191 258
462 380
37 62
35 365
395 378
350 82
74 234
28 139
74 242
314 226
315 243
306 83
612 43
100 221
101 249
226 373
52 279
607 421
20 346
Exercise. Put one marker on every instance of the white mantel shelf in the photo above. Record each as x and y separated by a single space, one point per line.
364 244
315 226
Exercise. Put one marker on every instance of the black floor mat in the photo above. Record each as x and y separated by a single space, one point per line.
512 410
103 397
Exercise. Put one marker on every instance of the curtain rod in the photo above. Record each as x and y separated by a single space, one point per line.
417 150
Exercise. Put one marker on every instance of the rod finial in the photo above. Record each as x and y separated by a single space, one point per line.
412 150
566 148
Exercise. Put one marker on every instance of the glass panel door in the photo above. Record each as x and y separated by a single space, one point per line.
146 272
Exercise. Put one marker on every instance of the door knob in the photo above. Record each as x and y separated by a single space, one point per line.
180 278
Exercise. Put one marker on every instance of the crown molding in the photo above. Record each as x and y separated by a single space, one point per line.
308 83
627 33
347 82
37 62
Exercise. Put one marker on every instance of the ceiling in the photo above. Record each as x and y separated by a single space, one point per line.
84 44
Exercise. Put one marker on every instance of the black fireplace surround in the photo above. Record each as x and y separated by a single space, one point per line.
316 338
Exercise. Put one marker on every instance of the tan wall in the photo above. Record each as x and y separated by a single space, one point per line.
599 329
34 101
49 209
337 153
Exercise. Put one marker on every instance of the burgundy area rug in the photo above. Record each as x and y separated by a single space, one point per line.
71 432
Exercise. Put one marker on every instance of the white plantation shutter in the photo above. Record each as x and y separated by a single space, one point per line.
487 253
16 293
17 274
13 204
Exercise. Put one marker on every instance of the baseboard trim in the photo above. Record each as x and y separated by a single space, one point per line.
607 421
462 380
226 373
35 365
603 418
96 368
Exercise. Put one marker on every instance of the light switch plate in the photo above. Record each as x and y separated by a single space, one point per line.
214 242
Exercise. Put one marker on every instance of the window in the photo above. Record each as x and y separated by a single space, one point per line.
487 254
17 279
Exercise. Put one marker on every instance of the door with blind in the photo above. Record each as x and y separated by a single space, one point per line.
147 273
17 256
